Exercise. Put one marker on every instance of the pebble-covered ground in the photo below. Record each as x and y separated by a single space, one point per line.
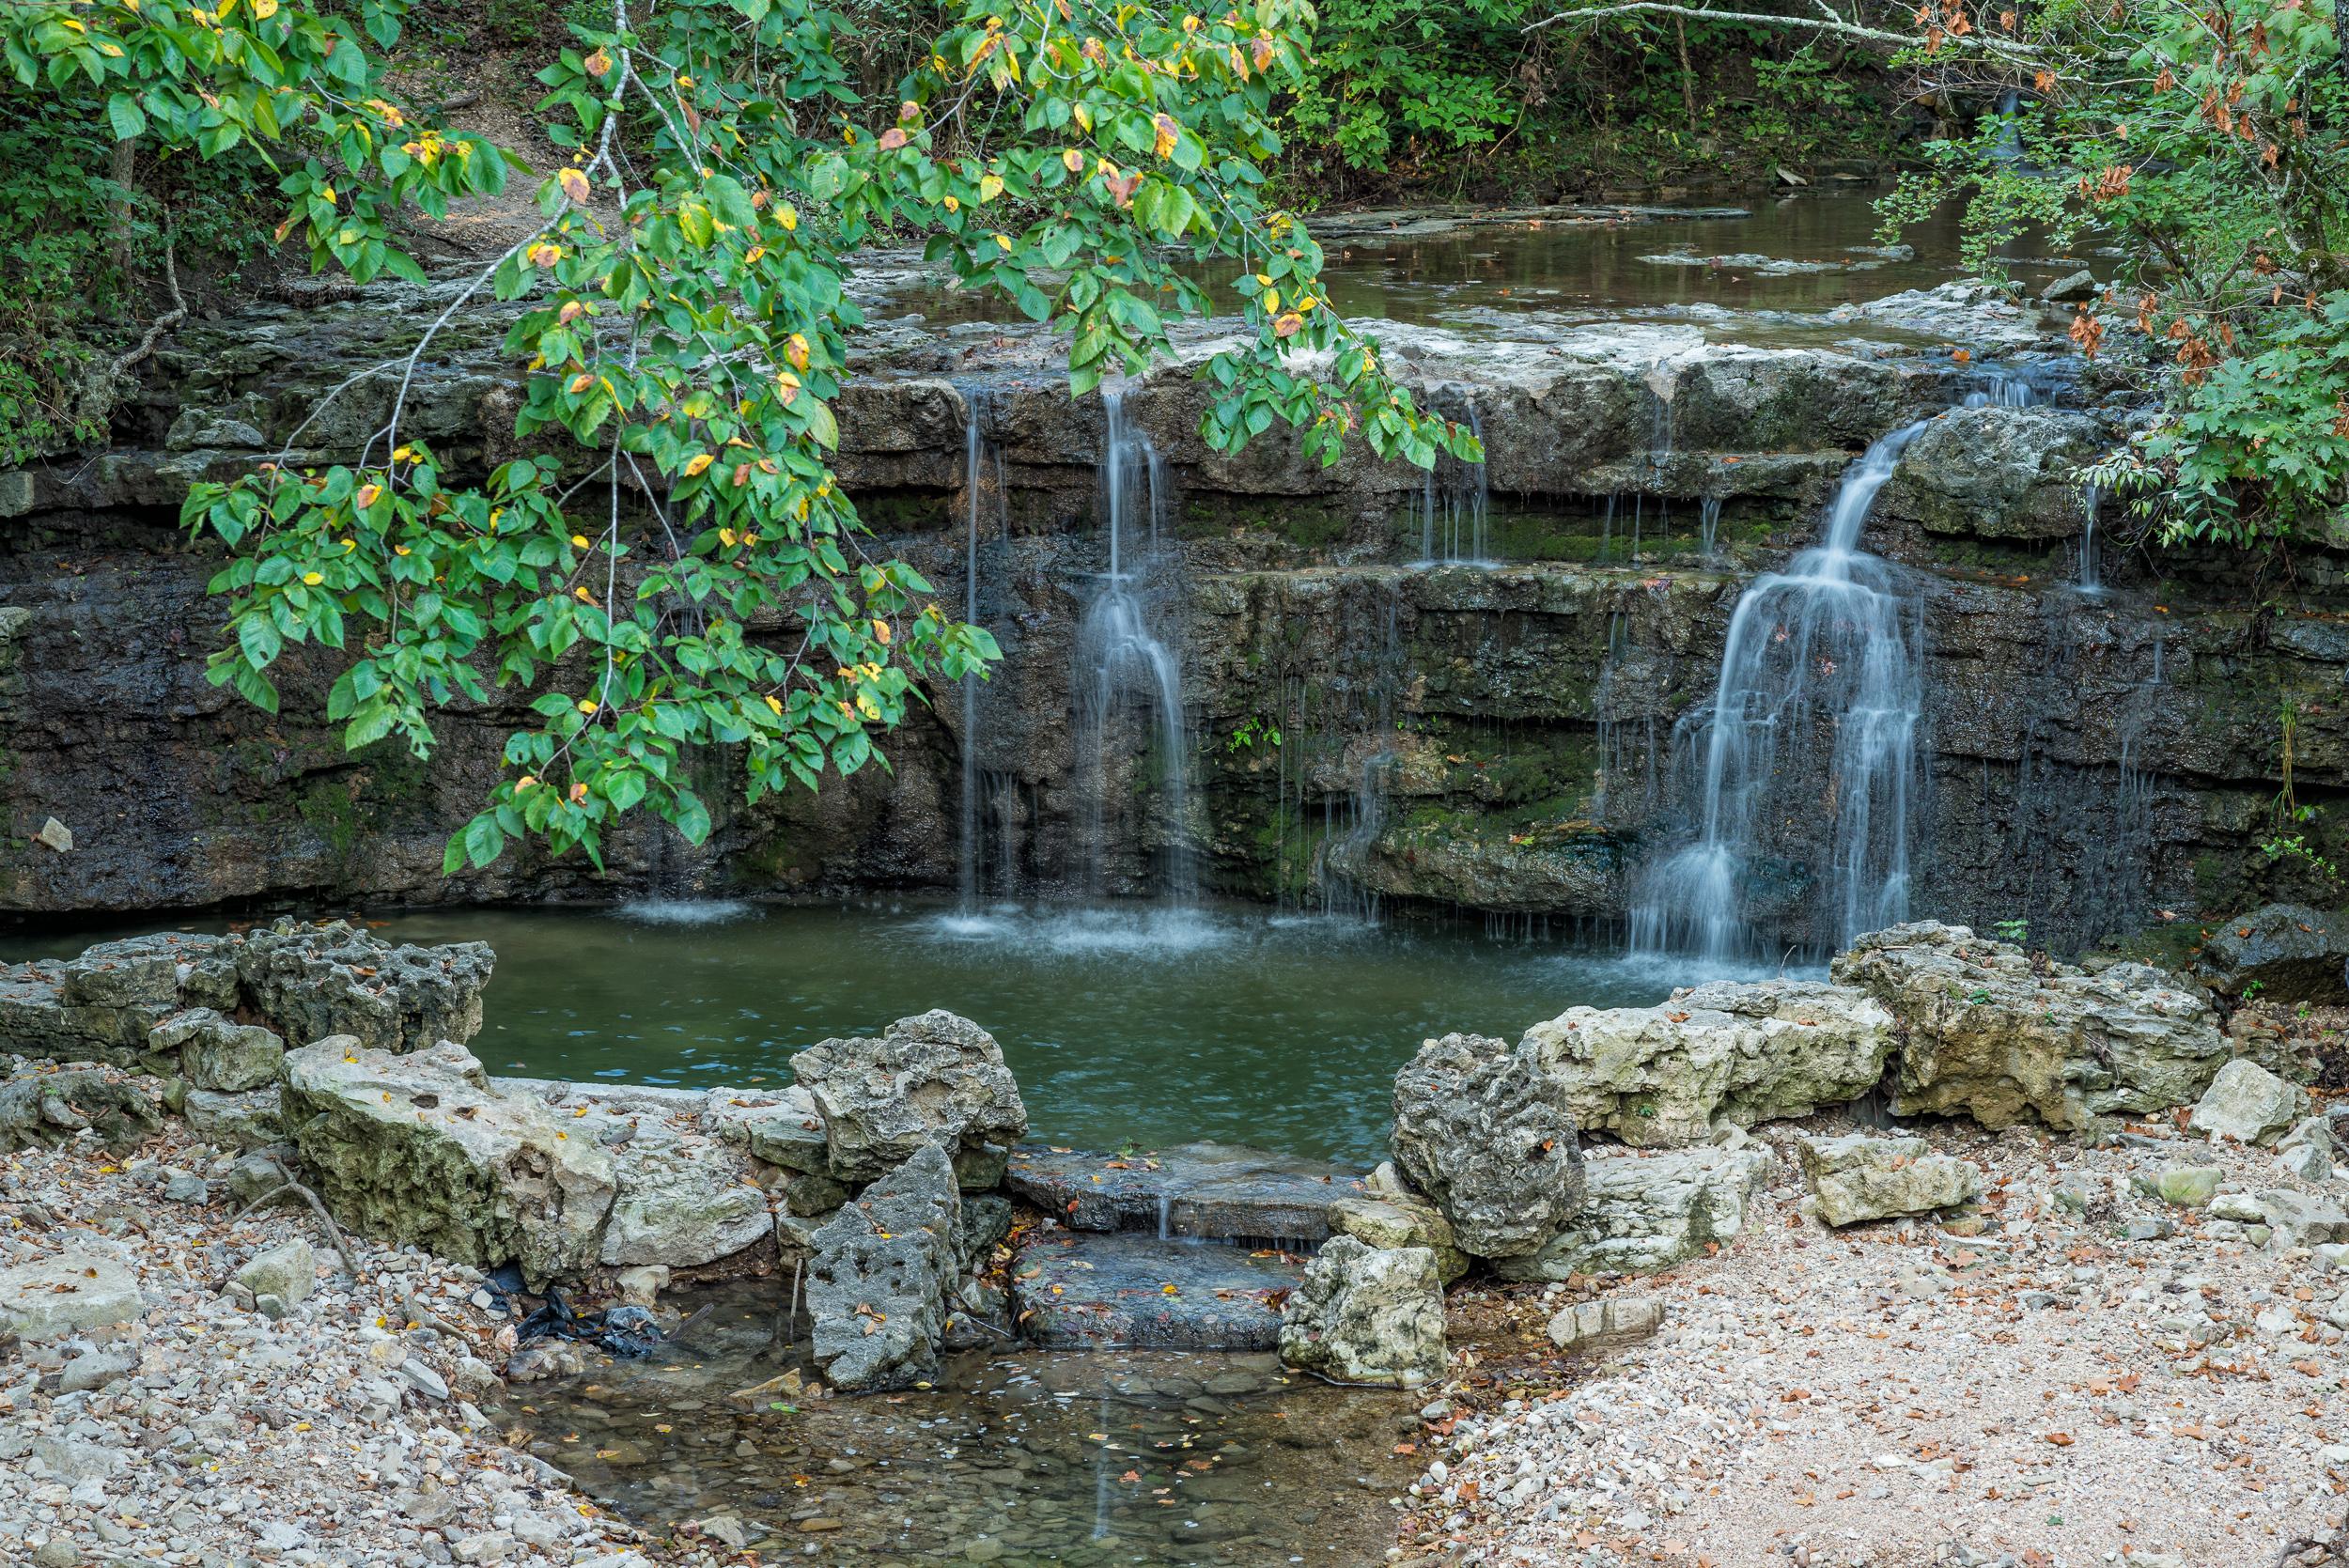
343 1433
2048 1392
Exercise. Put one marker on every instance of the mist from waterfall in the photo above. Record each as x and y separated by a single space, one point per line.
1127 674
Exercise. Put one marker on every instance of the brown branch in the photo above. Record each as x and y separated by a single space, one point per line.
163 323
1827 23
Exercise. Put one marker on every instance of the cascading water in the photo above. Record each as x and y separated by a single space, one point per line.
1125 670
1709 525
976 452
1810 748
2092 579
1454 508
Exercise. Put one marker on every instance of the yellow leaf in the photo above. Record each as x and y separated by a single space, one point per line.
368 495
264 9
1073 161
579 541
587 705
313 579
584 596
991 186
795 350
698 463
776 703
1002 242
574 183
881 632
789 219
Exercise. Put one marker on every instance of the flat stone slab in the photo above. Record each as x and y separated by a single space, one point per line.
71 1292
1073 1290
1220 1191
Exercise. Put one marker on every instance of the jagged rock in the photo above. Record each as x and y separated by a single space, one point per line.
1662 1076
307 982
289 1271
419 1148
1589 1323
245 1121
2249 1103
1987 1032
1996 471
675 1208
219 1053
1366 1314
1646 1212
46 1107
99 1006
2072 288
1088 1290
986 1221
2278 953
1487 1134
1222 1191
1376 1222
877 1284
1858 1177
935 1078
2307 1151
82 1291
2301 1220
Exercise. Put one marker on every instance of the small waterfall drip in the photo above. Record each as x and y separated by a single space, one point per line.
1626 790
1342 896
1125 669
1455 507
976 452
2092 579
1709 525
1813 728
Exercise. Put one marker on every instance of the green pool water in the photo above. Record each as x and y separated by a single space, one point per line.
1138 1025
1126 1025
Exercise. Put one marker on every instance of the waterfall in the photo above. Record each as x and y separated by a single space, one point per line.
1342 896
1813 726
1709 525
1124 667
1454 507
2091 578
975 452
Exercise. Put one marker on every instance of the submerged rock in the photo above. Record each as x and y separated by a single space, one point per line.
935 1078
882 1269
1662 1076
1222 1191
2249 1103
1858 1177
1489 1136
1990 1031
1646 1212
1366 1314
1078 1290
2279 953
420 1148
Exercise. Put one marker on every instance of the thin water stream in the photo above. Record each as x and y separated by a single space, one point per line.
1020 1458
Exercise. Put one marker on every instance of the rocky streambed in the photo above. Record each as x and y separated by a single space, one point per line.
927 1339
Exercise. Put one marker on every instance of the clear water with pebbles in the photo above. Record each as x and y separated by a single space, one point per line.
1024 1459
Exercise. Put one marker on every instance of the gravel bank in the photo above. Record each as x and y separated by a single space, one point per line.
2069 1387
202 1432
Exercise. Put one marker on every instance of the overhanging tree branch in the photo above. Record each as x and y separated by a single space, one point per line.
1827 21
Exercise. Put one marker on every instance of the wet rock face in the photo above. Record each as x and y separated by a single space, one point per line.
1987 1031
1219 1191
1660 1077
420 1148
1075 1290
1366 1314
1489 1136
935 1078
2278 953
880 1273
1997 472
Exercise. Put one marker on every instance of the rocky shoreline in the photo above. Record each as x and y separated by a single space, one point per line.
2001 1190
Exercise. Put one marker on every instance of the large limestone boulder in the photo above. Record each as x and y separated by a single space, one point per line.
1487 1134
1998 472
1987 1031
1390 1212
2249 1103
681 1204
1660 1077
1648 1211
2278 953
245 1121
219 1053
306 982
419 1148
102 1005
1857 1177
935 1078
882 1269
82 1291
1366 1314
